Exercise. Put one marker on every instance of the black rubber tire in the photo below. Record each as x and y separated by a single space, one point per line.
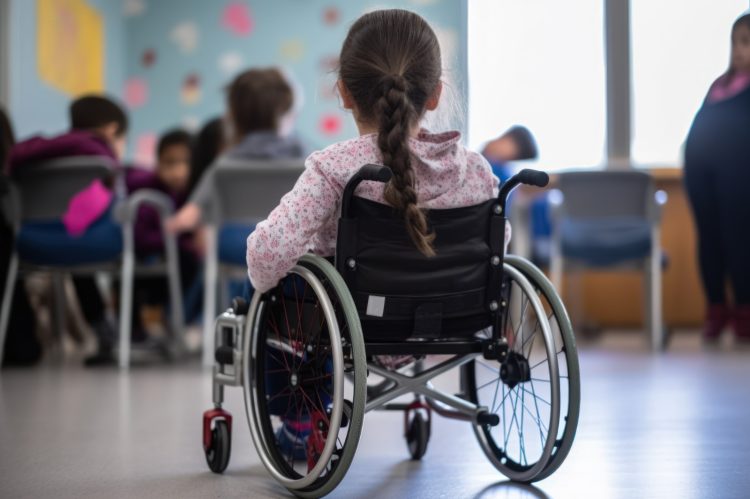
417 436
217 456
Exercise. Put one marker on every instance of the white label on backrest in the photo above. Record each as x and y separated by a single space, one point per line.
375 305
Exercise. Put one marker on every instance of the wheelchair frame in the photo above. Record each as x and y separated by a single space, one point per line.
233 338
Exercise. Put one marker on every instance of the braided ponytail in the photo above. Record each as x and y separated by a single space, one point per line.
390 64
396 117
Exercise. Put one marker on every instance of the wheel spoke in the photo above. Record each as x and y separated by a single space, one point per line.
536 397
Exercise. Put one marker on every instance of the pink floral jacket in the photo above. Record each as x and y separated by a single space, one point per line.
448 176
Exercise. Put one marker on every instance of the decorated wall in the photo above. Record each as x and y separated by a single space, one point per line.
170 60
182 53
60 49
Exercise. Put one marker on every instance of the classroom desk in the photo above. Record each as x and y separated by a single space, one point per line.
613 299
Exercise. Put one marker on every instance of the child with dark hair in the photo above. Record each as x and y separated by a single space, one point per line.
257 102
389 77
172 177
209 143
98 128
515 144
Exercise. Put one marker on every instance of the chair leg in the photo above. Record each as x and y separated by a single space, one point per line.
58 305
177 319
653 312
209 296
126 299
10 287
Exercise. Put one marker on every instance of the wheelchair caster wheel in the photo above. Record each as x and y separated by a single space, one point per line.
417 435
217 441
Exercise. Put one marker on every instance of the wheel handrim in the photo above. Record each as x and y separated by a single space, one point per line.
537 405
570 372
255 391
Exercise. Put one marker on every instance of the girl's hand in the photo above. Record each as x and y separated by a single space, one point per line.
185 219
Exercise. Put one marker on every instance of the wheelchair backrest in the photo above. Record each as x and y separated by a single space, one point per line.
247 191
402 294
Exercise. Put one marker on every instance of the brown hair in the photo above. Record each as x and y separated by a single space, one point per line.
90 112
740 21
390 64
257 99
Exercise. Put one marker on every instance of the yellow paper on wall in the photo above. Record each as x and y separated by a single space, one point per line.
70 46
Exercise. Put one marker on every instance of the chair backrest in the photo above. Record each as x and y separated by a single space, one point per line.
247 191
45 188
399 292
606 194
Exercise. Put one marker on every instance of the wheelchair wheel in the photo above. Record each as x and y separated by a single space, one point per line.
567 358
302 339
217 455
523 389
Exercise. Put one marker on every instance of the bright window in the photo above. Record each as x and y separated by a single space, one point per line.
539 64
678 49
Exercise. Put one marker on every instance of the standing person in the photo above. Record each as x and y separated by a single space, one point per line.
717 176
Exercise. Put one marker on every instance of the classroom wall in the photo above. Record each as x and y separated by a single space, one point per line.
35 105
182 53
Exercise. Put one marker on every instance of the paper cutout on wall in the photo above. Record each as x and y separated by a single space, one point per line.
328 63
185 36
136 92
191 123
132 8
70 30
238 19
191 89
292 50
230 62
148 58
330 124
145 150
331 15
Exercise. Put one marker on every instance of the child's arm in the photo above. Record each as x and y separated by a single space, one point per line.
280 240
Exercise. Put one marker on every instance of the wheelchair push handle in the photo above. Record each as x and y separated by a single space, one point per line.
526 176
375 173
533 177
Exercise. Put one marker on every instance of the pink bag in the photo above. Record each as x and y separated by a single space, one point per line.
86 207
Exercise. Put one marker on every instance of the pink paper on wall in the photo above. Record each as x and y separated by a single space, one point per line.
136 92
330 124
238 19
145 149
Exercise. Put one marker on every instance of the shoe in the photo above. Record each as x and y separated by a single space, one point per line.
717 318
292 439
742 324
100 359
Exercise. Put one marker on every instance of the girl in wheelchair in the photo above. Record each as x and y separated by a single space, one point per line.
420 267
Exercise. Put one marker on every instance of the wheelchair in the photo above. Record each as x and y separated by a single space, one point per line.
334 340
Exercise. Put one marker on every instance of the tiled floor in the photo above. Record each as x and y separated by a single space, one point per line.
667 426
